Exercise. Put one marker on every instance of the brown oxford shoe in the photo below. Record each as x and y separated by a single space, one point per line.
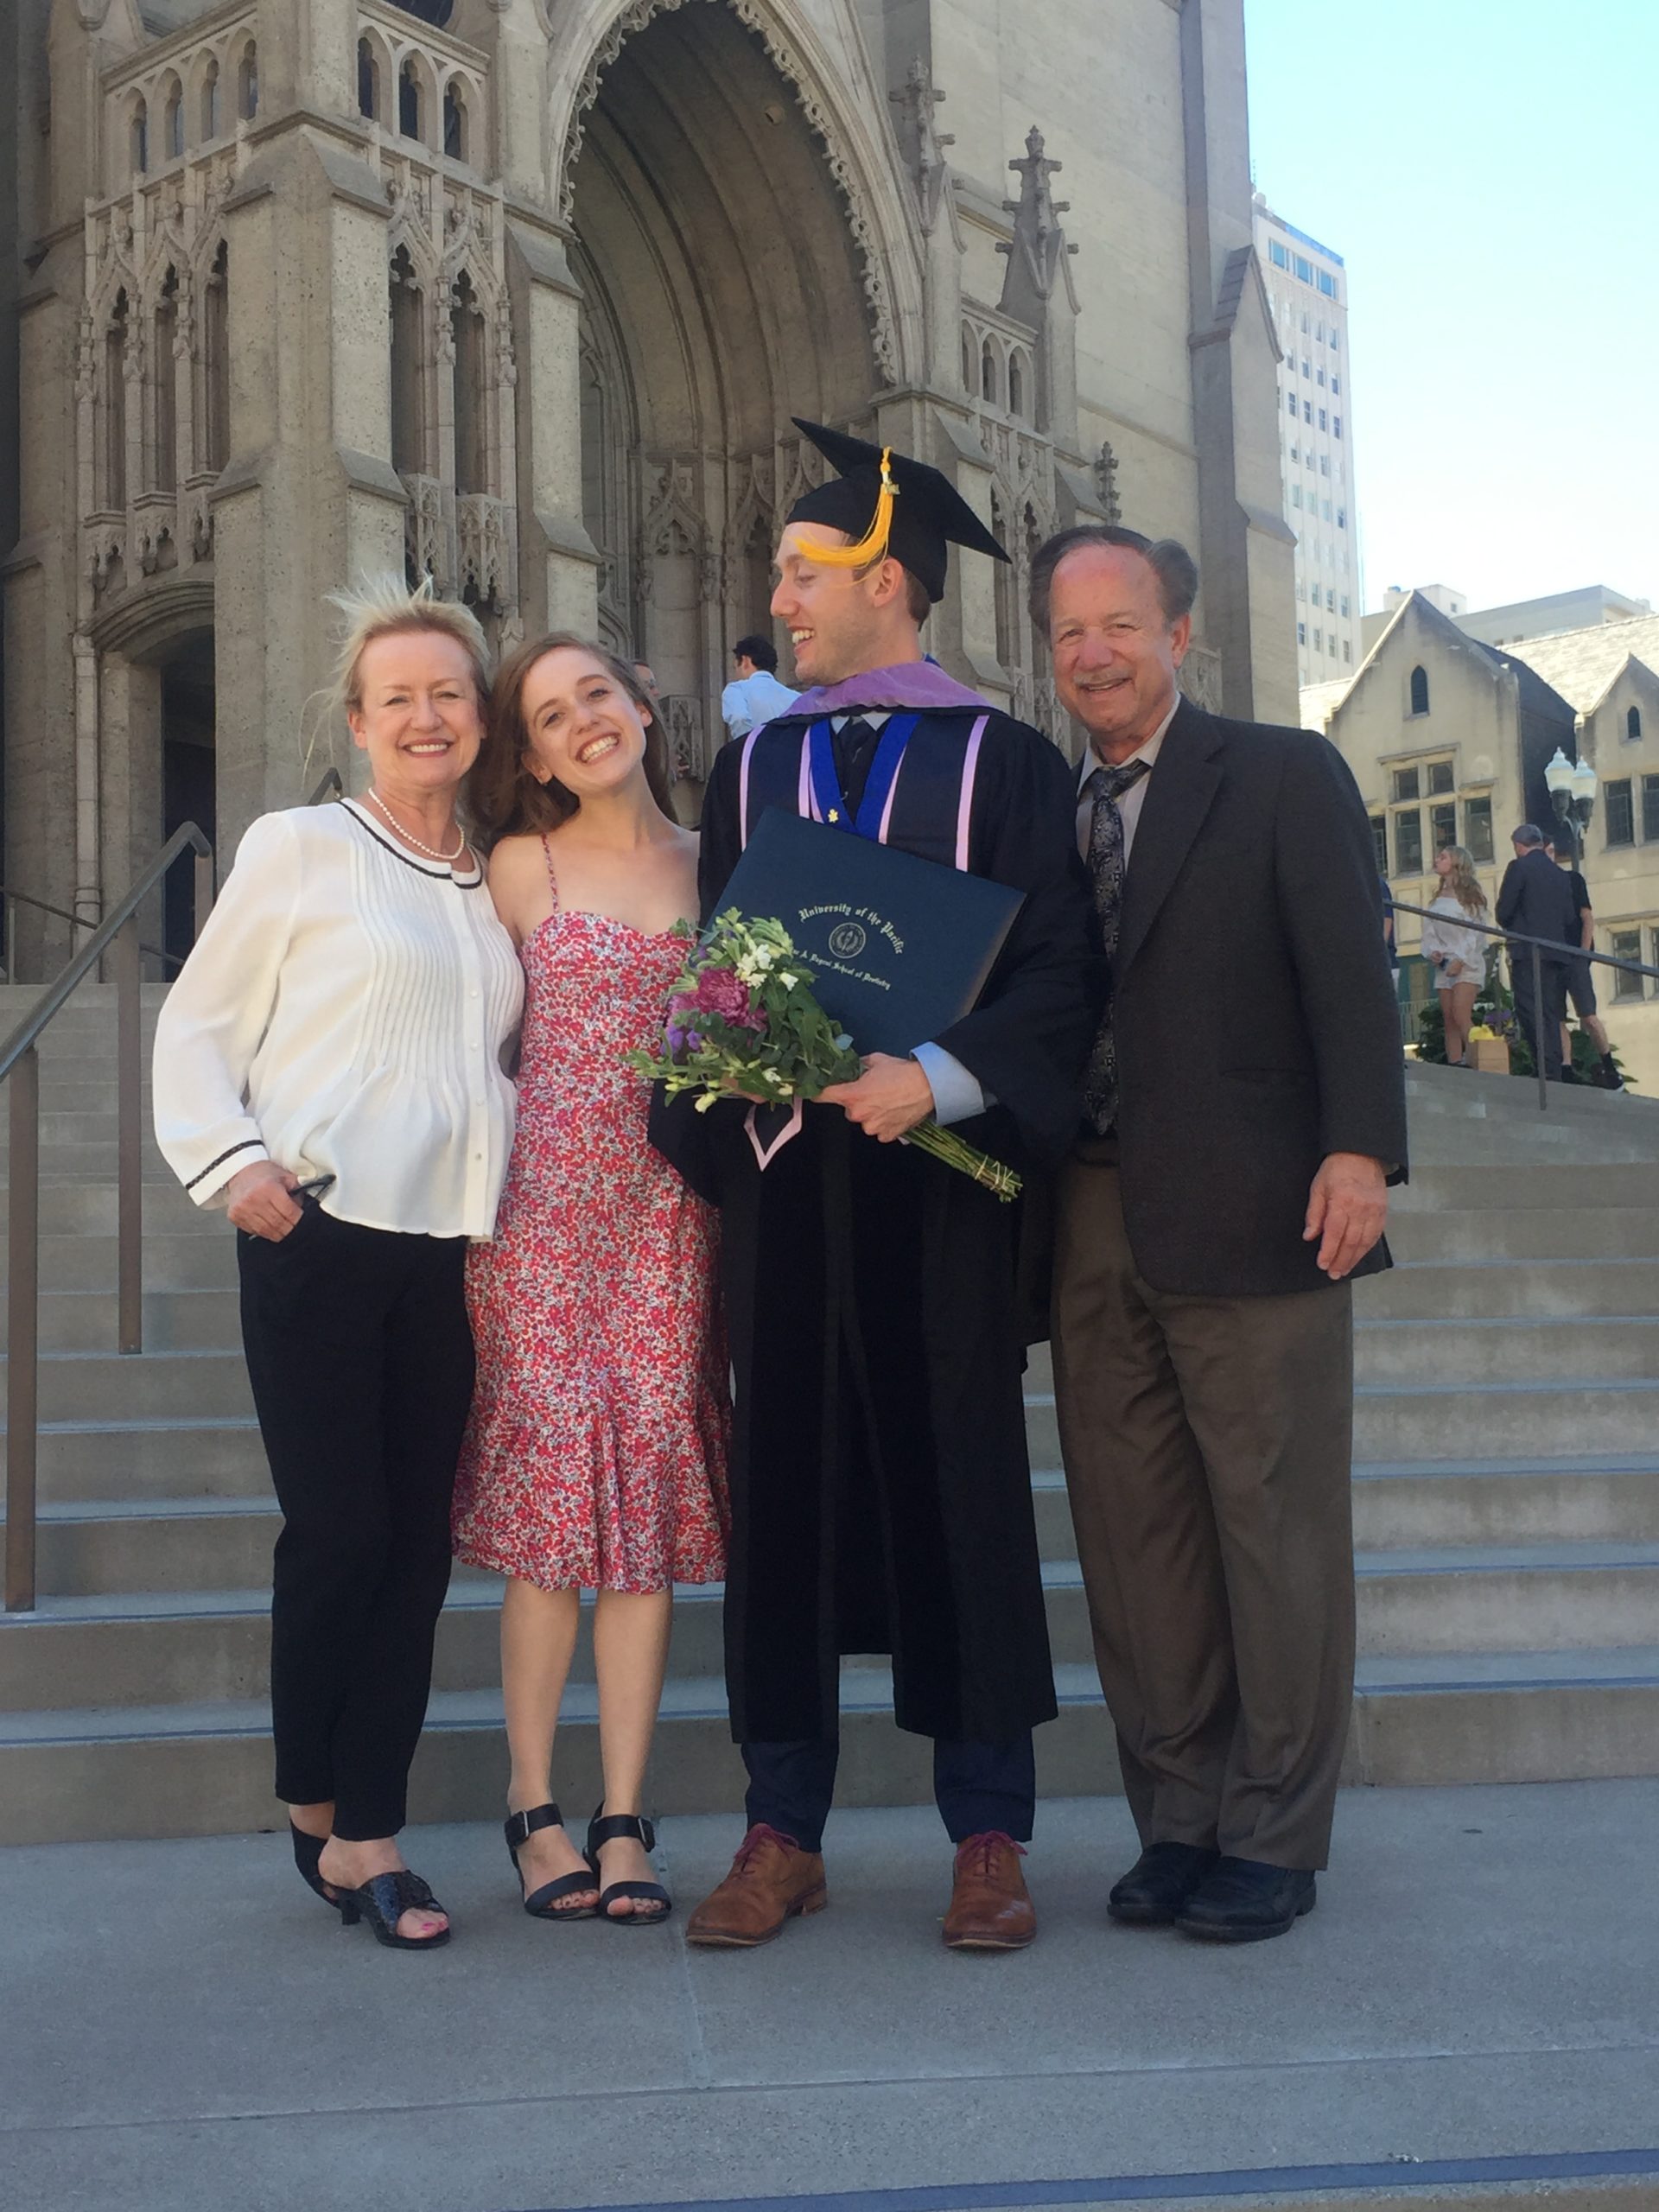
990 1906
771 1880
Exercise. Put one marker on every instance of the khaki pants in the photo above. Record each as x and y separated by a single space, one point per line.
1207 1444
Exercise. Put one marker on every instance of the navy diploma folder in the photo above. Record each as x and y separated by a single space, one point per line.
900 948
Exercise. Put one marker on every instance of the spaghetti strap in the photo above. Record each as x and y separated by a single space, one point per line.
552 880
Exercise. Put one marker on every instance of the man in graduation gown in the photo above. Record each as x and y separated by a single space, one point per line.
880 1489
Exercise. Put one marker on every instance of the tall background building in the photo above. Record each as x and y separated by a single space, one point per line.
1307 286
524 297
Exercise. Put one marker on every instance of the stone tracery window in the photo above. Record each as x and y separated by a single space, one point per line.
409 118
467 329
247 83
409 442
368 81
456 132
209 101
988 381
138 136
173 120
113 445
164 466
216 362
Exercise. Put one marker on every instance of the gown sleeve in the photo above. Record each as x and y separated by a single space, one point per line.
1028 1040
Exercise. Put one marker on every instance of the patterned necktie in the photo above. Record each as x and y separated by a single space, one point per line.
1107 787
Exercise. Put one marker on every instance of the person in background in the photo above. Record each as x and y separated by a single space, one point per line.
1535 900
1243 1110
1390 939
595 1458
1580 976
754 694
1456 953
647 680
328 1068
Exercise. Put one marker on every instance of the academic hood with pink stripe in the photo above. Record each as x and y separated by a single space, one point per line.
919 683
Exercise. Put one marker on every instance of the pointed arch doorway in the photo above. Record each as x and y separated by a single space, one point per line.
724 292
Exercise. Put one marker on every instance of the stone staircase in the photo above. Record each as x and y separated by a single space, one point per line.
1506 1494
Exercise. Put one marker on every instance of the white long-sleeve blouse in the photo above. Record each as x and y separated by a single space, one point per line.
344 1013
1444 930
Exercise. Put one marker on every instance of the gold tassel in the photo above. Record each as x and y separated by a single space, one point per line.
873 546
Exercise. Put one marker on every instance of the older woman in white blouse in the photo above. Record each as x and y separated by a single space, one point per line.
329 1067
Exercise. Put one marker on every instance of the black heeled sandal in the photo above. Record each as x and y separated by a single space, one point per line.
542 1903
600 1830
308 1850
383 1900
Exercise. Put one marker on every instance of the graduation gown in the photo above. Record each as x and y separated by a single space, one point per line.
879 1483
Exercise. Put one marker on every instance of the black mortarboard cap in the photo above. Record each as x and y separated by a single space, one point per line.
925 515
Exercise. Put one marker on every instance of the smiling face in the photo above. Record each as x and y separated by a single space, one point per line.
581 727
418 716
839 623
1115 651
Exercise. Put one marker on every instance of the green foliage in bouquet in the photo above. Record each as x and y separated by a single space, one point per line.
743 1021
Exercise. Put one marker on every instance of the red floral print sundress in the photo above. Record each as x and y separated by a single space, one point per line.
595 1454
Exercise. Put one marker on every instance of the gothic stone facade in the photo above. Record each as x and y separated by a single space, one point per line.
523 293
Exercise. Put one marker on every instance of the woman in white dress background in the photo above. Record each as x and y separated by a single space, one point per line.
1456 953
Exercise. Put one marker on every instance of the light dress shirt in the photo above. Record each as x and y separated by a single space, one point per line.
749 700
957 1095
1131 802
344 1014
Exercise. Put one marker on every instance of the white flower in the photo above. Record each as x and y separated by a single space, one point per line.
789 982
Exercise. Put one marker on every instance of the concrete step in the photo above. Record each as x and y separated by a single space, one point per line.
1465 1092
204 1768
1409 1505
1547 1233
181 1259
138 1461
149 1386
174 1320
177 1646
1525 1186
1495 1290
1521 1349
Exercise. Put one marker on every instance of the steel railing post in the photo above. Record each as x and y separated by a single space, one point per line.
204 890
23 1325
1540 1014
129 1140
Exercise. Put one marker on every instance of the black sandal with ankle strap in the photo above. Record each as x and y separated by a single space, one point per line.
308 1850
383 1900
602 1829
543 1903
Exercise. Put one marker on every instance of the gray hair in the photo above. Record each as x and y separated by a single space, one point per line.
1174 566
387 606
1529 834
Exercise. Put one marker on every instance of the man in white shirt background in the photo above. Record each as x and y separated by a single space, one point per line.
754 694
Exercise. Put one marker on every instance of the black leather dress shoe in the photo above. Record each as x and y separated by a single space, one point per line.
1159 1884
1245 1901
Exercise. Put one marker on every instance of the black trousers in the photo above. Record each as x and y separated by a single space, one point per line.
977 1787
361 1361
1546 1048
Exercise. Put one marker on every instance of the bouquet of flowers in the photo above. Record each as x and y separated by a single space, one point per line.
743 1018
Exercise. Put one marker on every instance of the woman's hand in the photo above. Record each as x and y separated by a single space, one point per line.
1452 967
259 1202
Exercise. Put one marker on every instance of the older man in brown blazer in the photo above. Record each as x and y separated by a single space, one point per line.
1244 1112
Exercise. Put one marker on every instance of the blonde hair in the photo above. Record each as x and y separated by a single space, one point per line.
386 606
1463 881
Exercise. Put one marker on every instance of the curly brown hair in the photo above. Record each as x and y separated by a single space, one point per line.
502 799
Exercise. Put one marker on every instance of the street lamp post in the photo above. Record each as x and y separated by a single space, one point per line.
1571 788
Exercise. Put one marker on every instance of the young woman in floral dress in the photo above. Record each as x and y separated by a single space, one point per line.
596 1455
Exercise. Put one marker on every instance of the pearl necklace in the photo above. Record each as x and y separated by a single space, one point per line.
409 837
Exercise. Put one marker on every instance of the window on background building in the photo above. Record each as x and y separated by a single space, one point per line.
138 138
1325 464
1301 591
173 122
1419 691
210 101
409 118
247 84
1307 410
1277 255
1477 828
1617 811
1304 269
1324 419
1327 510
1335 426
1304 325
1625 945
1319 641
1406 784
1380 841
1347 650
1336 340
1327 284
1319 376
1651 809
1344 606
1301 633
1290 402
1442 826
368 80
1342 518
1295 495
1331 602
1295 452
1440 778
1408 842
1633 724
1336 385
1330 644
455 124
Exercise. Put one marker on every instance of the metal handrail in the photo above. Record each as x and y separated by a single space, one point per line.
331 785
9 898
1559 951
19 1062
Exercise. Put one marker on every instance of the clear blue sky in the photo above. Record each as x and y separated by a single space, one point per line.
1490 171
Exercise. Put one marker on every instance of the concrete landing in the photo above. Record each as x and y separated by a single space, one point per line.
1474 2007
